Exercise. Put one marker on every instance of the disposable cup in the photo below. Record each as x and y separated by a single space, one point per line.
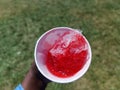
40 52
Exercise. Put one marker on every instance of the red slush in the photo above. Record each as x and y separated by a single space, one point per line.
67 55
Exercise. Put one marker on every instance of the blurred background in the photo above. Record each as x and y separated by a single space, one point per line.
22 22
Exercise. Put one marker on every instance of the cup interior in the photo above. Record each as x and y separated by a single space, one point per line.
41 48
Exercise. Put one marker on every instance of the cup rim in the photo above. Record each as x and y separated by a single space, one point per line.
77 76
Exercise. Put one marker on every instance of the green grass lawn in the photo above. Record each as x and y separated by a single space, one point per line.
23 21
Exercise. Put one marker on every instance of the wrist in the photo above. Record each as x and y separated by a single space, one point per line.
34 80
30 82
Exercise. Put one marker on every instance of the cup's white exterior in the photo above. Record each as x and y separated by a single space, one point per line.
40 60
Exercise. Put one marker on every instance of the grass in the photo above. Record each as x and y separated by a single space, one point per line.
23 21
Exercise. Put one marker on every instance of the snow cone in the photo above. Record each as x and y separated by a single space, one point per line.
62 54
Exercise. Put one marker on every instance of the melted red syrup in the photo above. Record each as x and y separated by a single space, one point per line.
68 55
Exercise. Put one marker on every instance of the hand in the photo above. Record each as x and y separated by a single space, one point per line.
34 80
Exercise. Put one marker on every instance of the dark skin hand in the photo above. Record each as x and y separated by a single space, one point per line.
34 80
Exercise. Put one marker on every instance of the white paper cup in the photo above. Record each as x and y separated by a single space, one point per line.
41 50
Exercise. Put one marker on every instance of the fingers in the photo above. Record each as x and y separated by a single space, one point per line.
37 73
